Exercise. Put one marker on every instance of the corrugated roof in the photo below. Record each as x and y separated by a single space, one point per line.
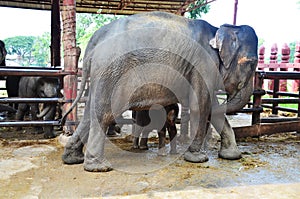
124 7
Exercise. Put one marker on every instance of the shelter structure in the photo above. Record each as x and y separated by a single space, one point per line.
120 7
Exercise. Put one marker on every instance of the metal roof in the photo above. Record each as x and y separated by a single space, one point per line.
124 7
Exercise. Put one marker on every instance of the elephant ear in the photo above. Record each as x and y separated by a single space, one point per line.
226 41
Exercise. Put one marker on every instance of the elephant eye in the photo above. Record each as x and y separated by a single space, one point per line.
240 85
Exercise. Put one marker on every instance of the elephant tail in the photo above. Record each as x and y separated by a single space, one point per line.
85 76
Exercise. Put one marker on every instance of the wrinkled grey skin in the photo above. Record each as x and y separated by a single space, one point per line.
39 87
161 120
143 46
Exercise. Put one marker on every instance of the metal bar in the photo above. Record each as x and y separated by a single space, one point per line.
29 123
36 72
31 100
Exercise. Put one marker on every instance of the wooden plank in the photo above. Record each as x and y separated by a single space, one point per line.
266 129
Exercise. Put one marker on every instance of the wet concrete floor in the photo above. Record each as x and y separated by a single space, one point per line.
32 168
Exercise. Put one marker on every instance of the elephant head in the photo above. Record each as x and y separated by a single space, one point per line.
2 53
237 48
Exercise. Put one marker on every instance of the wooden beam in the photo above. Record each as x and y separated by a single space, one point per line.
266 129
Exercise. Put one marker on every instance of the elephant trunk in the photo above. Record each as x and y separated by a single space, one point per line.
241 98
238 101
44 112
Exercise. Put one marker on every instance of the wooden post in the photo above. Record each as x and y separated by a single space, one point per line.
235 11
285 52
273 59
258 93
55 33
71 55
261 57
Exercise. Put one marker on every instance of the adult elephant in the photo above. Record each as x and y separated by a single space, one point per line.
161 58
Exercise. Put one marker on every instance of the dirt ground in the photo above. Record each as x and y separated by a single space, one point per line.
31 167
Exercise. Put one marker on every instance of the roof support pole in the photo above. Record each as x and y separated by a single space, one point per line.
71 55
55 33
235 11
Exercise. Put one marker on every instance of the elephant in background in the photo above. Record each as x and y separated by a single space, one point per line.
171 60
3 53
144 125
39 87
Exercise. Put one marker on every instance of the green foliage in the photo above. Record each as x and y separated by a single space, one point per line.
196 13
22 47
292 54
30 50
87 24
260 42
41 49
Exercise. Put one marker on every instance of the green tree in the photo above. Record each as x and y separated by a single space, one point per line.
292 54
22 47
260 42
196 9
41 49
87 24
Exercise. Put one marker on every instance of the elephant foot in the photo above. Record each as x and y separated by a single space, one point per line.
103 166
49 135
195 157
144 147
72 157
38 130
162 151
135 144
143 144
230 153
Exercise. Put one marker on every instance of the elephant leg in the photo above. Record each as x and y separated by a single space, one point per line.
111 130
162 142
229 149
49 130
200 107
73 152
94 159
34 110
20 114
184 126
144 140
173 138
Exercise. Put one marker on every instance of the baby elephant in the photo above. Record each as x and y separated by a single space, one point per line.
39 87
159 119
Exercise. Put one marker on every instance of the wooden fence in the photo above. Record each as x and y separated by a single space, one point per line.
271 78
